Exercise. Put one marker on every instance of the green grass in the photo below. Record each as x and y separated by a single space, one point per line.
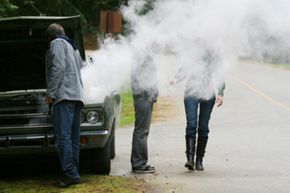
89 184
127 113
284 66
277 65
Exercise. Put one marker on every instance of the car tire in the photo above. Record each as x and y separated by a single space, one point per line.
101 159
113 149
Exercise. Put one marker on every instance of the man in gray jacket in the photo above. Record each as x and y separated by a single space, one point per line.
64 93
144 88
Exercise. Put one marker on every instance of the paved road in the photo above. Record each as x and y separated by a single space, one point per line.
249 145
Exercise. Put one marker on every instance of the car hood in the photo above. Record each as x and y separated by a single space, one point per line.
23 45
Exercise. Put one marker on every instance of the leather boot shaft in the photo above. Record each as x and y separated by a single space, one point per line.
201 145
190 151
200 151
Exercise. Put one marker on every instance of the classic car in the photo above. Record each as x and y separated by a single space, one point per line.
25 120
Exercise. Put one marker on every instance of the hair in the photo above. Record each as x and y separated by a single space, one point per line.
54 30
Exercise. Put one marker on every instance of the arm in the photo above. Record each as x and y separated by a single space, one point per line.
55 68
220 98
179 76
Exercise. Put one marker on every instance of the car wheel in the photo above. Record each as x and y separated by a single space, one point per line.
113 151
101 159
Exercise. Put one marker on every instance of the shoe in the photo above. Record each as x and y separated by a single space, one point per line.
67 182
144 169
189 165
199 165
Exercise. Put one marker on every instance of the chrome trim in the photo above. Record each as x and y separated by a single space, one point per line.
30 115
92 125
50 136
90 133
44 125
45 142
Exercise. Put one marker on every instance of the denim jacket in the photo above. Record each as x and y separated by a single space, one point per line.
63 72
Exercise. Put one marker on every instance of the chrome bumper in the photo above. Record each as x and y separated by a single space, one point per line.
37 143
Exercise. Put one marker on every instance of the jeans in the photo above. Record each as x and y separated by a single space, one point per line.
197 122
143 112
66 116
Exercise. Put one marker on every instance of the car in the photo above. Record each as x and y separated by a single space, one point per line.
25 120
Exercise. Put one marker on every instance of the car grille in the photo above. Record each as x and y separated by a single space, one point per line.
36 140
13 112
26 119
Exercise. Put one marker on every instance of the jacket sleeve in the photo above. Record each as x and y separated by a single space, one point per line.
79 60
55 68
221 89
183 70
181 74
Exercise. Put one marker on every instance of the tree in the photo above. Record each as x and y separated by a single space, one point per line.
6 8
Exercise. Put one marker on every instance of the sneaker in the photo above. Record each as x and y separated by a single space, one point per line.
67 182
144 169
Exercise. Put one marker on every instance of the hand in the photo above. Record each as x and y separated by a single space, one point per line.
219 101
172 82
48 100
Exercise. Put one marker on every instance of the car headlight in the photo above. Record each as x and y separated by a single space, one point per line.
92 117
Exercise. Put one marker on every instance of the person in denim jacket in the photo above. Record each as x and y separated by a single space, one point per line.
65 95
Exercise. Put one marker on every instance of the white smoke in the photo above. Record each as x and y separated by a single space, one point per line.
183 31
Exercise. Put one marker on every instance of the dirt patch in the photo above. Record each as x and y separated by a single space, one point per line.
167 108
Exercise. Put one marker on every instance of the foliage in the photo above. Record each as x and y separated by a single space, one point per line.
127 113
88 9
7 8
45 7
148 6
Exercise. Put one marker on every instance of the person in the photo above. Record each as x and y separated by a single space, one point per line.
200 96
64 93
145 93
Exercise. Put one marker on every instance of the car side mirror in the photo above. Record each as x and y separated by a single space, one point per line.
116 96
91 59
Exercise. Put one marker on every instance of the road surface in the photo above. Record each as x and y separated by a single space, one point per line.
249 143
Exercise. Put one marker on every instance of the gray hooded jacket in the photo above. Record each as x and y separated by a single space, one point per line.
200 75
63 72
144 78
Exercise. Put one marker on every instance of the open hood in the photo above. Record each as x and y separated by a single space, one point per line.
23 45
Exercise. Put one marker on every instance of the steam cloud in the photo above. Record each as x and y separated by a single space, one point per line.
181 32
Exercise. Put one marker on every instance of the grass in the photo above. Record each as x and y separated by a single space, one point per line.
284 66
127 113
89 184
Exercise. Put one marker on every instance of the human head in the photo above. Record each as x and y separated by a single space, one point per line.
54 30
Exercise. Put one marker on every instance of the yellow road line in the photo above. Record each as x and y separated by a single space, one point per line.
260 93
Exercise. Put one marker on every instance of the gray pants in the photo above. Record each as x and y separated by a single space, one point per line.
143 111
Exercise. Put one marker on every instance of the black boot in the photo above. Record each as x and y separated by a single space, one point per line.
201 145
198 164
190 150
